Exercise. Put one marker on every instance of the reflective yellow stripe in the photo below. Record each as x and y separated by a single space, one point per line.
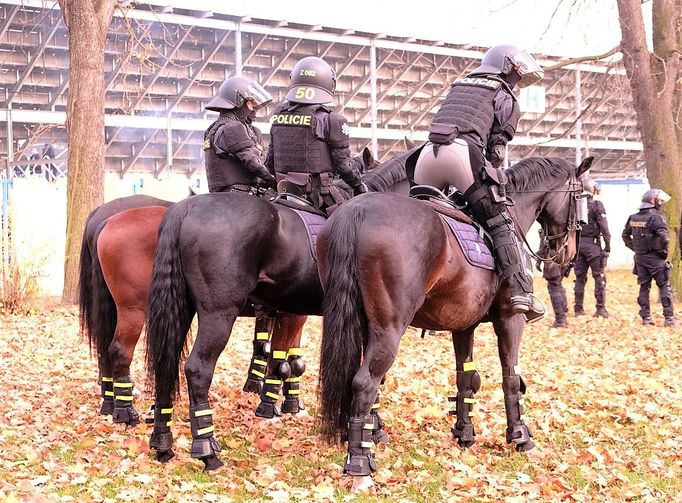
279 355
295 352
368 426
167 411
472 413
123 385
469 366
259 374
293 379
262 336
273 381
375 406
205 412
108 393
107 379
208 429
125 398
272 395
469 400
366 445
169 423
294 392
260 362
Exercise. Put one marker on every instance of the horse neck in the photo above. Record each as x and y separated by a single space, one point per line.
526 206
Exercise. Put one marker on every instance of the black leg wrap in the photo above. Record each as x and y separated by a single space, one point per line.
124 412
468 383
517 432
201 424
292 399
360 461
162 437
259 363
107 387
379 436
273 383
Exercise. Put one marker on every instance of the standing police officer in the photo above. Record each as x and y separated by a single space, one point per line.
233 149
554 274
590 253
646 233
309 143
466 147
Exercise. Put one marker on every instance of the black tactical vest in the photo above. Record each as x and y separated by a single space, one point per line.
222 172
591 230
295 146
643 238
469 106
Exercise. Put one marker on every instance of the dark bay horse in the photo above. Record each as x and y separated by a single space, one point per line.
387 261
215 253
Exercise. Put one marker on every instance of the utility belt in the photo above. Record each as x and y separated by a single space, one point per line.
314 185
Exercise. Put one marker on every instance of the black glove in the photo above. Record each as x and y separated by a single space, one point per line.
359 189
268 181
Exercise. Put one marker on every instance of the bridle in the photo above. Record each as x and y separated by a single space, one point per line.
576 217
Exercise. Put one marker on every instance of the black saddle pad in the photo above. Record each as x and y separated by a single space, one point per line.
312 220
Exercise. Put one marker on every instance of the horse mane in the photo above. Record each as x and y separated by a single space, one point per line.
389 173
528 173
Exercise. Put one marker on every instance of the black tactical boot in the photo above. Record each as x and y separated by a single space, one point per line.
560 322
669 321
647 321
601 313
579 311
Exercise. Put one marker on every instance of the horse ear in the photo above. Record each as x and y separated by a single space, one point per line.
584 166
409 144
368 158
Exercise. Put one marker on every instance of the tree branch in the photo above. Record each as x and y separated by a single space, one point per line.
574 61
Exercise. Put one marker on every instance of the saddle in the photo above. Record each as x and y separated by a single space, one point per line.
312 218
475 242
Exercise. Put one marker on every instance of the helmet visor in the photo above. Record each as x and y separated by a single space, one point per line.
662 197
256 94
527 68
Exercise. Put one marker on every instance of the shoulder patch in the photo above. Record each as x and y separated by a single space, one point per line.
478 81
345 129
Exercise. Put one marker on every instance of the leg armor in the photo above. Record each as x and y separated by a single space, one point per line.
107 387
204 445
468 383
292 401
517 432
124 412
580 281
259 363
600 289
273 384
379 436
643 300
162 437
360 460
557 295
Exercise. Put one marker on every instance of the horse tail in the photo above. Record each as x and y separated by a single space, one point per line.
85 300
344 325
103 309
170 309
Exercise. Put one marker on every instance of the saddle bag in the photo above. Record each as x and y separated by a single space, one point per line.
442 134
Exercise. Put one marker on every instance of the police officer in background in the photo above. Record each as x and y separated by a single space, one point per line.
467 140
309 143
646 233
233 149
590 252
554 274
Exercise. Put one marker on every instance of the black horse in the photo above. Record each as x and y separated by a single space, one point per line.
215 253
387 261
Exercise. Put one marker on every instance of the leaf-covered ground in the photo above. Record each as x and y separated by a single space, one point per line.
604 402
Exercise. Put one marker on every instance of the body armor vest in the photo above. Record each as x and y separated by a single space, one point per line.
222 172
469 106
591 230
643 239
296 148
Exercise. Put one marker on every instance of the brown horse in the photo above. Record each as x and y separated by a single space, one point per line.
387 261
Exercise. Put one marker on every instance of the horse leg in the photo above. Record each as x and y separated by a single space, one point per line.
106 382
286 335
513 386
468 383
261 349
293 404
212 336
379 435
128 328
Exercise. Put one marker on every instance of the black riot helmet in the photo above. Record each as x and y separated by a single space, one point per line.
513 65
653 198
590 187
235 92
312 82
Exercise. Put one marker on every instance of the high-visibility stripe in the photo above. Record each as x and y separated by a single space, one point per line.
167 411
123 385
294 392
108 393
279 355
293 379
204 412
262 336
260 362
368 426
203 431
256 372
124 398
366 445
107 379
169 423
295 352
469 400
273 381
469 366
272 395
375 406
471 413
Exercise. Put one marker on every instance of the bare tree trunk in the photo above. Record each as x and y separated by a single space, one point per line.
654 79
87 22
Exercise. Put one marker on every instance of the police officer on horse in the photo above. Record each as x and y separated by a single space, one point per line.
233 149
466 147
309 143
646 233
590 253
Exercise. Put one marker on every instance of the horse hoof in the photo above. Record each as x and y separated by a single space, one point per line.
466 444
525 447
362 485
253 386
107 408
164 456
212 463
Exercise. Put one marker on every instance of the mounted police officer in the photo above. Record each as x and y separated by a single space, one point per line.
590 252
309 143
466 147
233 149
646 233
